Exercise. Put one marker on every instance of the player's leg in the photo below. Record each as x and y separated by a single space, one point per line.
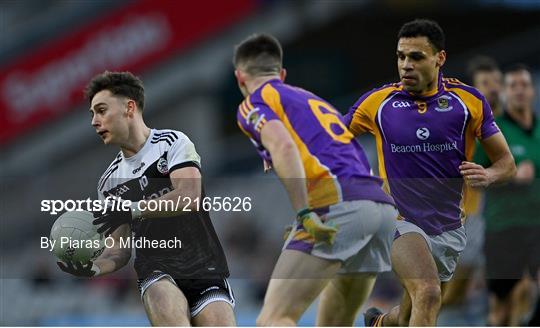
164 303
421 274
414 265
212 302
470 262
342 298
345 294
400 314
215 314
456 291
297 280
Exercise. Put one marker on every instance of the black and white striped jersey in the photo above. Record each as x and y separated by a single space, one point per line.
145 176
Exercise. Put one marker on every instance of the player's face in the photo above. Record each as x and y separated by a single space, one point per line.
110 117
418 64
519 90
490 85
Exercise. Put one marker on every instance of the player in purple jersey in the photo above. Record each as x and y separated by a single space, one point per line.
425 129
345 222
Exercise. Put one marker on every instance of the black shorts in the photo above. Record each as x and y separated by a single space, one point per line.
509 254
198 292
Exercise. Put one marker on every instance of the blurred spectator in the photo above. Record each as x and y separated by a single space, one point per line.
512 211
486 76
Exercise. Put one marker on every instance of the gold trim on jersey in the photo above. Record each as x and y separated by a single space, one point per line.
364 120
321 186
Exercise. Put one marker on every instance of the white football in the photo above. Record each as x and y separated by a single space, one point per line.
76 238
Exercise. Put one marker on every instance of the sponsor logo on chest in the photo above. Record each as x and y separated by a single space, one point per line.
422 133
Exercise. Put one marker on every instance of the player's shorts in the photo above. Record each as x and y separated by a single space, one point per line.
363 240
473 254
198 292
509 254
445 247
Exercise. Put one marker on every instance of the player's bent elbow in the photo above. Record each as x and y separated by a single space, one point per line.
286 147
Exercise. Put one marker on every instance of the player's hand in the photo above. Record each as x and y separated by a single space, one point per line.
320 231
475 175
111 219
77 268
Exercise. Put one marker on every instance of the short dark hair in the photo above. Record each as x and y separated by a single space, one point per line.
260 54
515 68
119 84
424 27
481 63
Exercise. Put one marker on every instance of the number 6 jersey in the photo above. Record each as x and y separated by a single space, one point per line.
335 165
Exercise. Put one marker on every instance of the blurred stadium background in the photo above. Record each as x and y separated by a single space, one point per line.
182 50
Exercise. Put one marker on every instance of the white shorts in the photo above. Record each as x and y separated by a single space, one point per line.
445 247
363 241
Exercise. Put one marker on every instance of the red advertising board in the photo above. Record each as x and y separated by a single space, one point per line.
48 81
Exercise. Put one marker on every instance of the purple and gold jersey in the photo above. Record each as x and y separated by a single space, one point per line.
335 165
421 141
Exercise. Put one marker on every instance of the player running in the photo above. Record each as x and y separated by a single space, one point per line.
345 222
179 286
425 129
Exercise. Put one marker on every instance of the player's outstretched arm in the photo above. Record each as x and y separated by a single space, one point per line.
110 260
503 167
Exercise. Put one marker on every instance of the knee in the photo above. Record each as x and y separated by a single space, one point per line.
428 294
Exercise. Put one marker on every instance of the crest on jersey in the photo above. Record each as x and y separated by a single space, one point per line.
253 116
162 166
443 104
